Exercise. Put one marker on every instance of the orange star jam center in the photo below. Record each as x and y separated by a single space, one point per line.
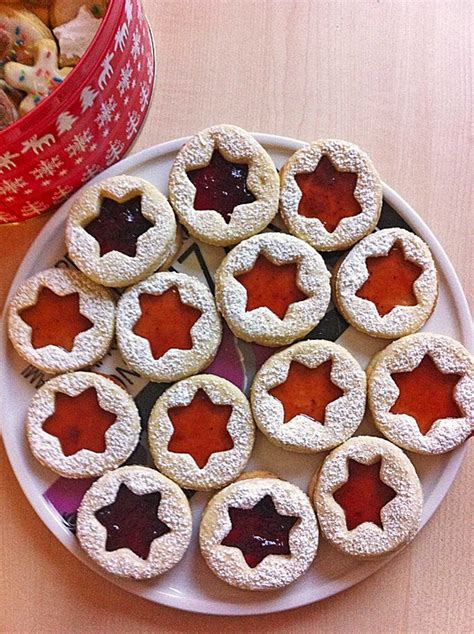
55 320
328 194
79 422
271 285
390 281
427 394
200 428
166 322
307 391
364 494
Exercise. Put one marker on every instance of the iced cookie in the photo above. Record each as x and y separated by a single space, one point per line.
259 533
201 432
40 79
25 29
82 424
168 327
331 194
223 186
421 393
309 397
63 11
120 231
74 37
134 522
387 285
368 497
60 321
272 289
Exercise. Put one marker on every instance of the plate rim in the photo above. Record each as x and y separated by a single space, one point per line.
215 607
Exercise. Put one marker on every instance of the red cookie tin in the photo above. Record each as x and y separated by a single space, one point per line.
87 124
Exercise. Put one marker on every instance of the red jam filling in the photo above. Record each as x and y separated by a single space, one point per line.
259 531
390 281
200 428
166 322
271 285
132 521
307 391
327 194
427 394
55 320
119 225
79 422
364 494
221 186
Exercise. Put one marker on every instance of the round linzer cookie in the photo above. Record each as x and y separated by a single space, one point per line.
259 533
224 186
120 231
331 194
421 393
134 522
201 432
168 327
272 289
59 321
82 424
368 497
387 285
309 397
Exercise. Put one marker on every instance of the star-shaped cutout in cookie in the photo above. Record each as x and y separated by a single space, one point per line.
200 428
271 285
119 225
55 320
307 391
132 521
259 531
221 185
327 194
390 281
364 494
79 422
427 394
166 322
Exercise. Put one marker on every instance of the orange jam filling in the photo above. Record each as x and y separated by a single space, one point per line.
271 285
55 320
327 194
427 394
79 422
200 428
307 391
390 281
166 322
364 494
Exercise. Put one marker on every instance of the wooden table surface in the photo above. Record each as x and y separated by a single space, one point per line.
395 78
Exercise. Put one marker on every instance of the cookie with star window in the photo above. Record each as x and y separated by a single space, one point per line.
82 424
421 393
331 194
272 289
168 327
121 230
201 432
387 285
224 186
259 533
309 397
368 497
134 522
60 321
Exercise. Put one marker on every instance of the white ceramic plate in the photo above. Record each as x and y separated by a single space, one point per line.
190 585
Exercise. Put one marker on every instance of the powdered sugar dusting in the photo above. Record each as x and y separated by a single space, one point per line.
346 157
275 571
222 467
165 552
